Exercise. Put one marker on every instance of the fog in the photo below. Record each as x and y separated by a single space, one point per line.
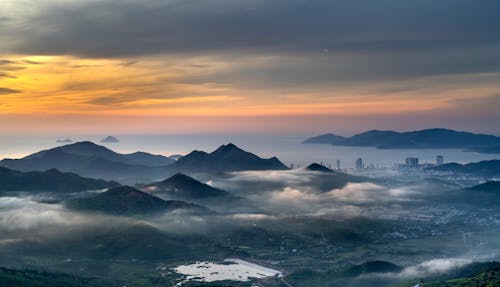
332 219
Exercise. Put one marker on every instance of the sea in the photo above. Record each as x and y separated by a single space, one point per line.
288 148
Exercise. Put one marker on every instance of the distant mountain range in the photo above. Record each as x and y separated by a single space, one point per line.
224 159
487 168
91 160
430 138
126 200
50 180
96 161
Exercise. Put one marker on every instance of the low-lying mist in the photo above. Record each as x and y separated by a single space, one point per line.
290 215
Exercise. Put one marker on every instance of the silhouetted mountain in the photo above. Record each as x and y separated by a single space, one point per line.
181 186
186 188
126 200
90 149
318 167
50 180
226 158
147 159
490 187
91 160
110 139
482 195
326 138
483 168
430 138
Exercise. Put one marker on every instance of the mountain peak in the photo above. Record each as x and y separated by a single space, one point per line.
184 187
179 177
318 167
230 147
110 139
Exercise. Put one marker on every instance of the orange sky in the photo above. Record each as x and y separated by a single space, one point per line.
65 88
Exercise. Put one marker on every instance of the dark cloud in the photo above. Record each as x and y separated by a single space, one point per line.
129 63
8 91
32 62
322 41
6 62
5 75
292 71
125 28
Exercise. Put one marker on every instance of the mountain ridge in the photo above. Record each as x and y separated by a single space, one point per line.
225 158
49 180
126 200
91 160
427 138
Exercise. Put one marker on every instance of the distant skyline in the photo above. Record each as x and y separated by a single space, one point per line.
252 66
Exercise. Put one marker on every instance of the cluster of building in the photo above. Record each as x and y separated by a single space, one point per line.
410 162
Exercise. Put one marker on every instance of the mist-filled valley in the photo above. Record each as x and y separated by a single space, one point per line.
231 213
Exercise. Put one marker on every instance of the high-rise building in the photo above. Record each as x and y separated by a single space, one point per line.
359 163
338 164
411 162
439 160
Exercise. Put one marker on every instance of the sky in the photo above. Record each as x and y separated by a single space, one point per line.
248 66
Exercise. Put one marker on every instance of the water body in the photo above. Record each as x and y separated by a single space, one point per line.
230 269
289 148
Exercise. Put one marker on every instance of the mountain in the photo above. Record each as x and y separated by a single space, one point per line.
483 195
50 180
484 274
226 158
489 187
318 167
364 274
429 138
110 139
486 168
91 160
126 200
326 138
184 187
147 159
90 149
